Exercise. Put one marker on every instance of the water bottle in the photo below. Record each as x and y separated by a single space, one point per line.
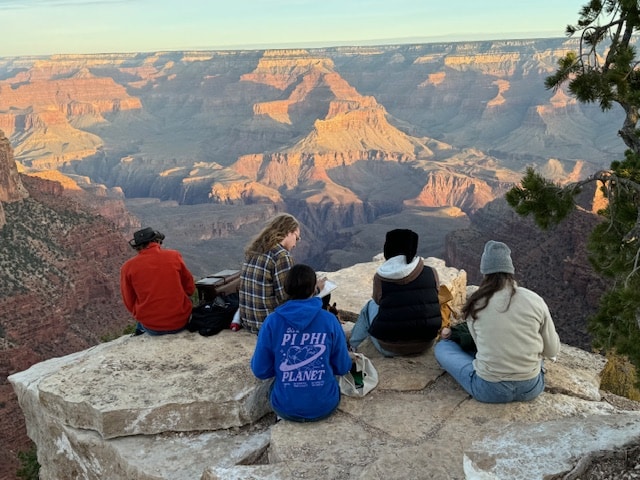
235 322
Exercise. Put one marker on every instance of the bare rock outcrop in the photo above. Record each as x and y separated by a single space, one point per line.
280 68
88 112
106 202
443 188
11 188
187 407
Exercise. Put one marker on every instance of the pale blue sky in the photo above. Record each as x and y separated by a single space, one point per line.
34 27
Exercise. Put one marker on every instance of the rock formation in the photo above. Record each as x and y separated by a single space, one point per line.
187 407
353 141
59 281
337 106
47 109
11 188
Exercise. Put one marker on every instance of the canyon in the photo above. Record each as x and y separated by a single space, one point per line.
344 138
206 146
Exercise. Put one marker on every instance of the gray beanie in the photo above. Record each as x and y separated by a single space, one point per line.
496 258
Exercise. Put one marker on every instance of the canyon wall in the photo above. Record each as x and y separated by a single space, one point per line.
11 188
59 291
457 123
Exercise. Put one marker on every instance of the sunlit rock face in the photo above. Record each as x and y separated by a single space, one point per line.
11 188
170 124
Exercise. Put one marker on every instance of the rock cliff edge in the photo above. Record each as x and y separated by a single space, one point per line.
188 407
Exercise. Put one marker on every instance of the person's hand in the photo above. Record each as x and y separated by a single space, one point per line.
320 283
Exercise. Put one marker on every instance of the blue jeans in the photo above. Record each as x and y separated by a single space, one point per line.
142 329
360 330
458 364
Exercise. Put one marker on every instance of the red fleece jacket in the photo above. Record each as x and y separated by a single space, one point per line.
156 287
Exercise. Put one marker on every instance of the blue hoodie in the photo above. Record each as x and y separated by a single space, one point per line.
304 347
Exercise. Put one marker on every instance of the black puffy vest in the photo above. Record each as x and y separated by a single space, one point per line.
408 312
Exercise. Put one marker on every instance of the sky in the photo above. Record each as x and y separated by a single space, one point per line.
43 27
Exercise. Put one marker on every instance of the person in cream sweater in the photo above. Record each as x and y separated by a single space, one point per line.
513 332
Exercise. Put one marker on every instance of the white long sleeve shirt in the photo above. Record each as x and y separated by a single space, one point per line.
513 337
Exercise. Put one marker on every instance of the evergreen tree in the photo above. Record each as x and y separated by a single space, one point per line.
604 70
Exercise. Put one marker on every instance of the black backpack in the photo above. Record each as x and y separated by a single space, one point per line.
212 317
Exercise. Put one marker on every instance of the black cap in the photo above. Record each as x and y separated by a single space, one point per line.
146 235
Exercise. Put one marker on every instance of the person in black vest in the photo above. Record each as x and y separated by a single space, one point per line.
403 316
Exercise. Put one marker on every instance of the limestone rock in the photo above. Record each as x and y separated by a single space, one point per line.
547 448
174 379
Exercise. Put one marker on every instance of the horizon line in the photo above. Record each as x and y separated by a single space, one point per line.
316 45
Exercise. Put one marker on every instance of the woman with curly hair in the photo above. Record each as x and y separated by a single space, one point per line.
263 273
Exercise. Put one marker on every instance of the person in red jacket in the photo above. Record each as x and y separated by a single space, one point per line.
156 285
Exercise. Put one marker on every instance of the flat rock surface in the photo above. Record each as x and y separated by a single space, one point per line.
150 384
184 407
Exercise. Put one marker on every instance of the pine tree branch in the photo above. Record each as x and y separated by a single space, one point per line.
635 268
607 177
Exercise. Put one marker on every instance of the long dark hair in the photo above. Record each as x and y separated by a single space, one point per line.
490 284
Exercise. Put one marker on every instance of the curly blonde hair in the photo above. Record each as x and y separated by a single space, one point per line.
272 234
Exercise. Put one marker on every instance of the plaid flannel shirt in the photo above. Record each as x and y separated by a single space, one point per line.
262 286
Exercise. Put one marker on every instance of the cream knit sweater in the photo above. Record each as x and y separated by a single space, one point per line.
512 338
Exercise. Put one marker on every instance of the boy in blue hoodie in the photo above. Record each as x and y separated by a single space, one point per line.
304 348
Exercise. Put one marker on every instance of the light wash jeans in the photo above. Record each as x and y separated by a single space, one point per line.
458 364
360 330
